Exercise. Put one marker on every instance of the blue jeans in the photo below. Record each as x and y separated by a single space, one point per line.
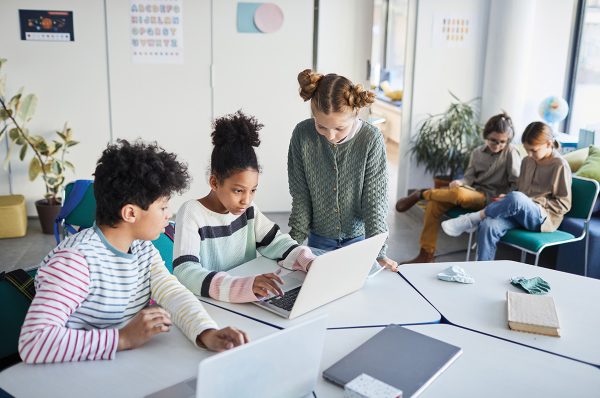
323 244
515 210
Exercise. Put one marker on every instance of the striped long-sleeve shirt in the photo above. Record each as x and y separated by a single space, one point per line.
86 289
207 244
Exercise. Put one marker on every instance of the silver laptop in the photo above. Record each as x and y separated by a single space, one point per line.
283 364
332 275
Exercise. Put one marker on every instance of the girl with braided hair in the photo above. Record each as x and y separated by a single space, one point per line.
337 170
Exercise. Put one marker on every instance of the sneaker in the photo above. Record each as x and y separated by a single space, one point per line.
458 225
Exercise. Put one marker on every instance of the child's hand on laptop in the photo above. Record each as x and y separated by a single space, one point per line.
143 326
267 284
222 339
388 263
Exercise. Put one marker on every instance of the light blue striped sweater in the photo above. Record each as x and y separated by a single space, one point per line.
208 243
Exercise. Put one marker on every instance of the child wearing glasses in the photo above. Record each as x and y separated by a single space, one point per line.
542 198
492 172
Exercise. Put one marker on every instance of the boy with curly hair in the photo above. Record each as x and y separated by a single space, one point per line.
94 289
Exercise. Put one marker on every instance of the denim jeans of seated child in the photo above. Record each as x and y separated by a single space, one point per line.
515 210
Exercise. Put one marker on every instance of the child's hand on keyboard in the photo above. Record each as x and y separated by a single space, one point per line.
267 284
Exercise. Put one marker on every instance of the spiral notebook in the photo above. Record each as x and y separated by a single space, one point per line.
397 356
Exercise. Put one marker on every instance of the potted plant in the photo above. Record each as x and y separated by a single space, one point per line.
445 141
48 159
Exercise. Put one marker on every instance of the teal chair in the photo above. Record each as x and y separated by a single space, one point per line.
584 194
164 245
81 213
459 211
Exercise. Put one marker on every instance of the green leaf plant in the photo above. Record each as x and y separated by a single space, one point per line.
445 140
48 159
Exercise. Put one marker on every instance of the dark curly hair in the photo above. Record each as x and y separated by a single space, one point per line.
135 173
234 137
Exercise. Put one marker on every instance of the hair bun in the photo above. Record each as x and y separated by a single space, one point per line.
309 81
358 97
236 129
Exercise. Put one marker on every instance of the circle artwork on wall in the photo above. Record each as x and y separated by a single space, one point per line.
268 18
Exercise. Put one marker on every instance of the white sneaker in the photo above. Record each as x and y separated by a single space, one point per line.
458 225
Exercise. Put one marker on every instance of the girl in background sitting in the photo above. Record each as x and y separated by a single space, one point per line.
493 171
542 198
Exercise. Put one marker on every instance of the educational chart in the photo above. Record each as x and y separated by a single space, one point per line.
46 25
453 31
156 31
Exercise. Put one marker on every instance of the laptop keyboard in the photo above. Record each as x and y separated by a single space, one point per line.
286 301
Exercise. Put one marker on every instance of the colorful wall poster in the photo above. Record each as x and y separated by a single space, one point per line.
156 31
453 31
46 25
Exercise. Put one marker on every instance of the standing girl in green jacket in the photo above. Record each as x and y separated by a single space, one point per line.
337 169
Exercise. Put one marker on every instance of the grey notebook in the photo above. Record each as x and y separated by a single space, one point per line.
396 356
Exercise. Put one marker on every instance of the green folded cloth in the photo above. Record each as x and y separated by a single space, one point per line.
532 286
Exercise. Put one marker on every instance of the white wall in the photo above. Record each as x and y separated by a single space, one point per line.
69 79
173 103
508 58
169 103
548 63
257 73
529 62
345 29
438 70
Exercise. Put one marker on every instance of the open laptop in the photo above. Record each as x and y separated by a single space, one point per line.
283 364
332 275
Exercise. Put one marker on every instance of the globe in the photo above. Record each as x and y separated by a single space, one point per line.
553 109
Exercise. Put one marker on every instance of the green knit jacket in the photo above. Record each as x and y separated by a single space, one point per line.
338 191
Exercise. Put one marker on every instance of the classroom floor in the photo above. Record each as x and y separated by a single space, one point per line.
405 229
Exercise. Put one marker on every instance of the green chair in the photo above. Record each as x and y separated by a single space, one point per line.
584 194
459 211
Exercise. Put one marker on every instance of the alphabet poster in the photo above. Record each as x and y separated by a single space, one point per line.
453 31
156 31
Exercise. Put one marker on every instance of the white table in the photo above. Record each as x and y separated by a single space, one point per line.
482 305
167 359
386 298
488 367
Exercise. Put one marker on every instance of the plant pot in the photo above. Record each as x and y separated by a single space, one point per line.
47 213
441 181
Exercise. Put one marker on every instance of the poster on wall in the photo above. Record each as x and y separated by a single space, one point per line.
453 30
41 25
156 31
